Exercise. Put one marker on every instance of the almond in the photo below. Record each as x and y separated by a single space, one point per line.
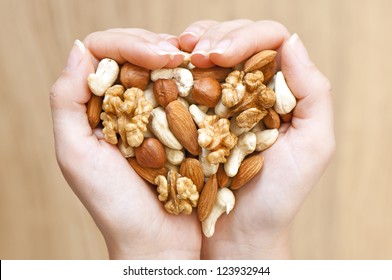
222 178
151 153
269 71
259 60
182 126
206 91
248 169
134 76
207 198
165 91
192 169
217 73
271 120
94 108
286 118
148 174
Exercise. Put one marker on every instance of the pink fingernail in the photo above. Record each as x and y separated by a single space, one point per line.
299 49
75 56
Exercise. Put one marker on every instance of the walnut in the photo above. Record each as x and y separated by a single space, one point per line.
178 193
215 136
233 90
250 117
257 95
125 113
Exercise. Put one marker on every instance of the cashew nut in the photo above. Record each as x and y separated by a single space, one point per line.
160 127
285 100
104 77
266 138
225 202
246 145
175 157
209 169
197 114
182 76
221 110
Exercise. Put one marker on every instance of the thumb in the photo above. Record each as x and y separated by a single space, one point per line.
314 111
68 97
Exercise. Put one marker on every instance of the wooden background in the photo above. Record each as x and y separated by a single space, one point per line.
347 216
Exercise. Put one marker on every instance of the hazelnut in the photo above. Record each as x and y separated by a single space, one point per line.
271 120
134 76
206 91
151 154
165 91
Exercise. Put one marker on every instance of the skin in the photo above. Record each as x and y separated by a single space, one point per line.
126 209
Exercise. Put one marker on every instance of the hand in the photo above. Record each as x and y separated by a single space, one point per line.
259 225
126 209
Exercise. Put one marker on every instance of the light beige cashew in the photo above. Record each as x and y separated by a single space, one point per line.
209 169
225 202
149 95
174 157
104 77
197 114
246 145
186 63
221 110
160 127
285 100
126 150
182 76
266 138
172 167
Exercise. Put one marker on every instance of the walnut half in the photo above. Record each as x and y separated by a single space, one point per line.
178 193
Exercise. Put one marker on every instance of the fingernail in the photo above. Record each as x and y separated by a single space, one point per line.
202 48
165 48
190 33
76 55
221 47
299 49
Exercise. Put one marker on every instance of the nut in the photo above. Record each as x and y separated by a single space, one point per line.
216 72
249 168
266 138
224 181
151 153
178 193
285 100
104 77
165 91
245 146
259 60
126 150
233 89
206 91
225 202
286 118
207 198
126 113
269 71
271 120
208 168
160 127
181 124
192 169
134 76
182 76
148 174
94 108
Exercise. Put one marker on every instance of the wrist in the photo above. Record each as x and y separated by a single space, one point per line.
265 245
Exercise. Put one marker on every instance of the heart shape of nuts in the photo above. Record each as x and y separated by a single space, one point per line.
195 133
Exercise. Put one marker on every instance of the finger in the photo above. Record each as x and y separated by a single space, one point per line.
313 115
189 38
171 39
201 54
68 97
149 51
243 42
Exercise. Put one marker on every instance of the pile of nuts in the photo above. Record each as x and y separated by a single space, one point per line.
195 133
